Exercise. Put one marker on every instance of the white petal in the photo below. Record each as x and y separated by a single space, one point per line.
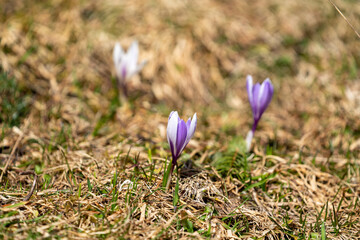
191 130
268 80
249 85
172 128
117 53
132 58
141 65
172 112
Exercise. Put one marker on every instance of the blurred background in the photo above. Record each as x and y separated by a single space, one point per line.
58 74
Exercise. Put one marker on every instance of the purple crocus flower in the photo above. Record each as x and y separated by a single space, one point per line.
259 97
179 134
126 64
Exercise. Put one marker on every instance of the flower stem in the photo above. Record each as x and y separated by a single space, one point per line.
173 164
250 135
254 125
124 89
248 140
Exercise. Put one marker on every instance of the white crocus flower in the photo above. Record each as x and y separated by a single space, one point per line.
126 64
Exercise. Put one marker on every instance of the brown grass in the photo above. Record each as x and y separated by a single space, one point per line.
307 145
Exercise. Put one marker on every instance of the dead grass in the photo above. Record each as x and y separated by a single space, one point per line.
96 167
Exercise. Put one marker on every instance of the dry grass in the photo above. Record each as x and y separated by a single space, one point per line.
96 167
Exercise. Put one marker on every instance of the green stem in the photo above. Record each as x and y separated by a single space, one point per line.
173 164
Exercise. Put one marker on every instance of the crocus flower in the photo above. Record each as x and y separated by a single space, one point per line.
126 64
259 97
179 134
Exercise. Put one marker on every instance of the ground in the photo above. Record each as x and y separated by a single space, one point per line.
80 161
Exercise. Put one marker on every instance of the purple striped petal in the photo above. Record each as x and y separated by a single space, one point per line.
179 133
188 123
260 96
256 102
181 137
265 98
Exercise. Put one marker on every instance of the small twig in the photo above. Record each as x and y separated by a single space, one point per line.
348 22
11 157
32 188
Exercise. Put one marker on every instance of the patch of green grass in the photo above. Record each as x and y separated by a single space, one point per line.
63 138
237 165
114 104
299 45
14 101
28 53
349 67
230 128
188 225
232 163
283 65
237 222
